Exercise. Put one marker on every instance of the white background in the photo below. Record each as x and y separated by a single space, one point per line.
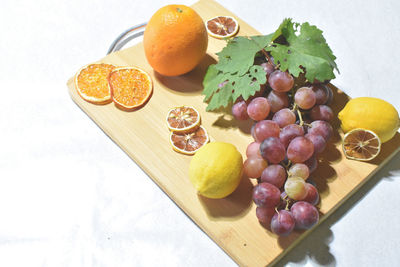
69 196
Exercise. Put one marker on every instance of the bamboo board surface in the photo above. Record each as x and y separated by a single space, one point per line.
230 222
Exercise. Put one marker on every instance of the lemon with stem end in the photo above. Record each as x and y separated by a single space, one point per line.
372 114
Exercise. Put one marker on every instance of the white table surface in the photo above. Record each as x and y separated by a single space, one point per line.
69 196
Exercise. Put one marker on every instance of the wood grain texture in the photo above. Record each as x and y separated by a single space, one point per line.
230 222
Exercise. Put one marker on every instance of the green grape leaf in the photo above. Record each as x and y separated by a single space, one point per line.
306 51
262 40
216 95
220 89
238 55
284 25
248 84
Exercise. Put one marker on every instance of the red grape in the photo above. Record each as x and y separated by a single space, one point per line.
289 132
300 149
266 195
254 166
281 81
264 129
258 109
253 149
305 98
318 142
268 68
272 150
284 117
321 128
304 214
321 112
312 196
274 174
239 110
282 223
265 214
277 100
321 93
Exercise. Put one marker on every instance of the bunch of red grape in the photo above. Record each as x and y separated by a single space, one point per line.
291 129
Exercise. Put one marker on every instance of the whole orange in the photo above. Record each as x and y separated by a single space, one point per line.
175 40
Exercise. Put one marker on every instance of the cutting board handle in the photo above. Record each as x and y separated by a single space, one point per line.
122 38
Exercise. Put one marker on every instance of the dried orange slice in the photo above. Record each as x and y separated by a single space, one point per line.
361 144
130 87
183 119
91 83
222 27
189 143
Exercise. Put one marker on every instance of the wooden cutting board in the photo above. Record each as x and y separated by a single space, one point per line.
230 222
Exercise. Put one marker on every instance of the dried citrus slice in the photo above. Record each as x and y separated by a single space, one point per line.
361 144
189 143
91 83
222 27
183 119
130 87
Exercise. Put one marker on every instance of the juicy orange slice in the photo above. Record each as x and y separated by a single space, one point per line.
189 143
183 119
91 83
130 87
361 144
222 27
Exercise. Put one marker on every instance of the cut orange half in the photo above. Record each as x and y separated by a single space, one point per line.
361 144
183 119
130 87
92 85
189 143
222 27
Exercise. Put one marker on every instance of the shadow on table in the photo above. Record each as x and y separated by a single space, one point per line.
316 244
190 83
227 121
235 205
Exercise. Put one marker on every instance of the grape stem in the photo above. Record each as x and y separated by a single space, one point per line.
287 165
296 109
300 117
287 204
268 57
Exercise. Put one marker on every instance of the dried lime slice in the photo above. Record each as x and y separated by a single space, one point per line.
361 144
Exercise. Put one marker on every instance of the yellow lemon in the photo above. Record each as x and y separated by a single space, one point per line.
370 113
216 169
